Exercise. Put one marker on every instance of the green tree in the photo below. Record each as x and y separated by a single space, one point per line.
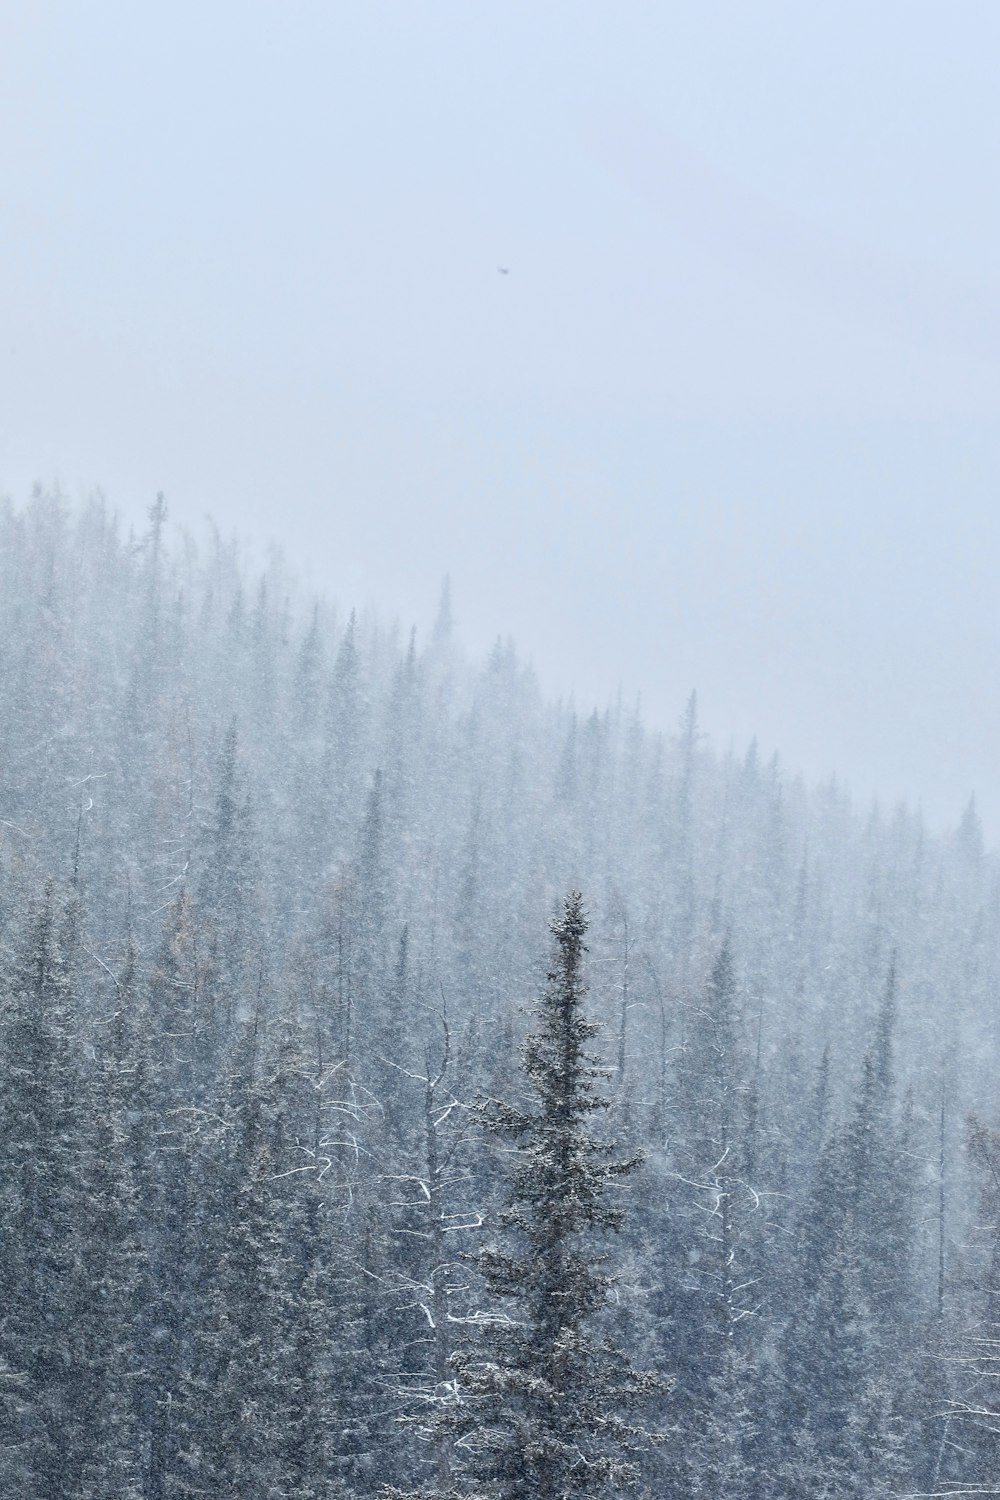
969 1441
41 1208
851 1333
114 1283
542 1394
711 1250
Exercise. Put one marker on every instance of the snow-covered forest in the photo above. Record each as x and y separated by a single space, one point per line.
276 886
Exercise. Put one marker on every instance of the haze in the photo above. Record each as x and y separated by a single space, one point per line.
730 421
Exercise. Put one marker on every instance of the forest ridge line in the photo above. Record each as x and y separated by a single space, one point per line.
273 893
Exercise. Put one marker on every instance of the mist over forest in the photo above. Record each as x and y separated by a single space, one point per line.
288 929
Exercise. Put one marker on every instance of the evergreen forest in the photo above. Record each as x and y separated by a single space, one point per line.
414 1086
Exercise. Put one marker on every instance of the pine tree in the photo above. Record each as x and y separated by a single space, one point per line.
227 905
41 1212
850 1335
542 1394
233 1401
970 1443
711 1243
114 1284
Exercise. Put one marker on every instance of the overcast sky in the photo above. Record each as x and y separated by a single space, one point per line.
731 421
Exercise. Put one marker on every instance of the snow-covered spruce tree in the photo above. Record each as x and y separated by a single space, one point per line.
710 1250
542 1395
845 1407
969 1443
41 1214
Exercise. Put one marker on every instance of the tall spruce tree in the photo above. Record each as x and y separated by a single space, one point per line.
542 1394
847 1348
41 1212
710 1247
968 1458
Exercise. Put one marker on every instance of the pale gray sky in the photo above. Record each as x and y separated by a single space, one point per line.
731 421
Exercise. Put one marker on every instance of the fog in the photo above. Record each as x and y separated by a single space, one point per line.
670 333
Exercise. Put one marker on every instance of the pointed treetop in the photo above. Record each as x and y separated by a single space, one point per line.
572 923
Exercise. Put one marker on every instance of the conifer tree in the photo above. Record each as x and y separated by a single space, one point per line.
542 1394
844 1395
40 1204
969 1458
114 1283
711 1250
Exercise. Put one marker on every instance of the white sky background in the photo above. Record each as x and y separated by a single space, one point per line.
732 420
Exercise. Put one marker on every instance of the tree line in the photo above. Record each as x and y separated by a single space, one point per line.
314 1184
